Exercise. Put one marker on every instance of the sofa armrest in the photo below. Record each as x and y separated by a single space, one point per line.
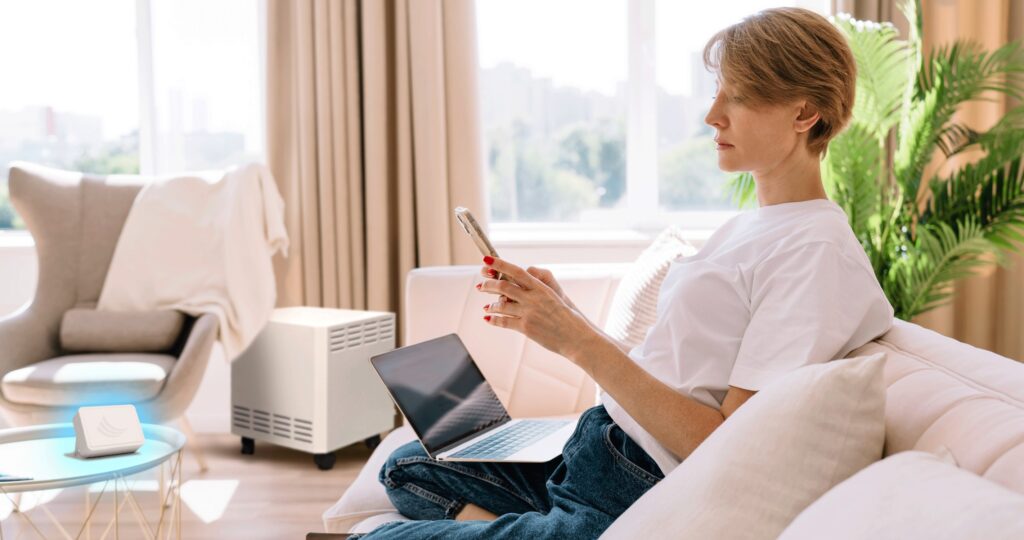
366 498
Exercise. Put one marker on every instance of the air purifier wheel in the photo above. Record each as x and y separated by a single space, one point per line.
248 446
324 462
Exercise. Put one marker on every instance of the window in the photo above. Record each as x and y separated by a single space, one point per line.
593 112
129 86
70 97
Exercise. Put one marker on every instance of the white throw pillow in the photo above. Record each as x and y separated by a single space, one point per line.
634 307
912 495
784 448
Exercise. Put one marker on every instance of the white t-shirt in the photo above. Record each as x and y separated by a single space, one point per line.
772 290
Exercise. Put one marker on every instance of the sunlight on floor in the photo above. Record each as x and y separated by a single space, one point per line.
133 485
6 507
26 501
208 498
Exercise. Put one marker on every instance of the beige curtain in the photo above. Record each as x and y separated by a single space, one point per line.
988 310
372 135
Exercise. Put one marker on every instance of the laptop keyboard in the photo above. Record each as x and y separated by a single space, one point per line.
511 440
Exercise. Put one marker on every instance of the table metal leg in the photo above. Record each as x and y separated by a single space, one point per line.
169 504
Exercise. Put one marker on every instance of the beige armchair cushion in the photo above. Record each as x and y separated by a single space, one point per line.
88 379
90 330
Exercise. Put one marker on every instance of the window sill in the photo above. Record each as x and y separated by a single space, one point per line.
16 239
550 243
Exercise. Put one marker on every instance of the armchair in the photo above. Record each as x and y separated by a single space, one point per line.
76 220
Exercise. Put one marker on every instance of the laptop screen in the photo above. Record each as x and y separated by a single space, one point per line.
440 390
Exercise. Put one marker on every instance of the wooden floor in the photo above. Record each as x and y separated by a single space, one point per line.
276 493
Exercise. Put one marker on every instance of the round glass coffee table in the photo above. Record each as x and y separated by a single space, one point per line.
43 458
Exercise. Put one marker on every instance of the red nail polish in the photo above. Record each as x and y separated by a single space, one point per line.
488 259
478 286
492 273
487 306
487 318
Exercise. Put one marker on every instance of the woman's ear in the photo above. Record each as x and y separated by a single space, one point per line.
807 116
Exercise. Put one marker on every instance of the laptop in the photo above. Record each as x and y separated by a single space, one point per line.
455 412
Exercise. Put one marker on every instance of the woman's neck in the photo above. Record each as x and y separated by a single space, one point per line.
794 180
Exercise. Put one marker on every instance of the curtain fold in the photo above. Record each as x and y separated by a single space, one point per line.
987 310
373 138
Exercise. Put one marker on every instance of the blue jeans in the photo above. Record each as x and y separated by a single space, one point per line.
600 474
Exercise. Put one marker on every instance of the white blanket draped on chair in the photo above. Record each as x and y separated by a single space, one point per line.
202 244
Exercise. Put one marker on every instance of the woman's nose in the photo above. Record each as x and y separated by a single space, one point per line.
714 117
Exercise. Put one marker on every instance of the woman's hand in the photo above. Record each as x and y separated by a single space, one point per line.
539 311
543 274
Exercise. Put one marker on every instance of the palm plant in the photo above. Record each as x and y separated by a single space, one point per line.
923 236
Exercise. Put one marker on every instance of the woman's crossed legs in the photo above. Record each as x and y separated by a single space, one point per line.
600 474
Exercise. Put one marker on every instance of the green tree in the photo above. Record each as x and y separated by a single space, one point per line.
8 219
596 151
118 157
690 177
544 193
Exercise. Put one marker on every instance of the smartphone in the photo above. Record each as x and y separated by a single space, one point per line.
478 235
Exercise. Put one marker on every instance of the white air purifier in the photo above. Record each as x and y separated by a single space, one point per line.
306 382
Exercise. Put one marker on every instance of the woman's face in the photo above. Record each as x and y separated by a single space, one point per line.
755 139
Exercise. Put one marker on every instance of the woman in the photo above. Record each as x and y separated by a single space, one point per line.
772 290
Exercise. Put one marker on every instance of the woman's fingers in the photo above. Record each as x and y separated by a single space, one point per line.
488 272
501 287
513 323
542 274
515 273
504 307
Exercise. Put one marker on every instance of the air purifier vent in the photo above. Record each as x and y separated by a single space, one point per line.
303 430
241 417
362 333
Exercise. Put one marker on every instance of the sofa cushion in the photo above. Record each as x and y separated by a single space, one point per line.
942 392
91 330
366 499
785 447
635 304
912 495
88 379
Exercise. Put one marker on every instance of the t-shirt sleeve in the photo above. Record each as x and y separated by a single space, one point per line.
808 305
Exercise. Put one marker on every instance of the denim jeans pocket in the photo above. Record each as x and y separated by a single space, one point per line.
619 445
573 443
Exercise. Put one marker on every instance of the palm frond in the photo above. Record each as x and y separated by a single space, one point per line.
941 256
952 75
955 138
852 166
990 190
884 67
918 130
742 190
962 70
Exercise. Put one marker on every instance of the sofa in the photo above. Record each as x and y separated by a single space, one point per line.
943 396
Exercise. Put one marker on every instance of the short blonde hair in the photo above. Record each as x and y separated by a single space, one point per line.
778 55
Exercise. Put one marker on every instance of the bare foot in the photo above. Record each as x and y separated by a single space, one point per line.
472 512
